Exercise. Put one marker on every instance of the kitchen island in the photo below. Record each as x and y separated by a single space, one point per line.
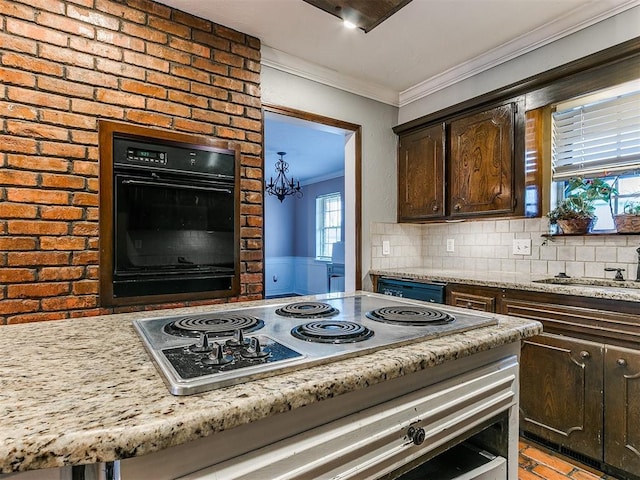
84 391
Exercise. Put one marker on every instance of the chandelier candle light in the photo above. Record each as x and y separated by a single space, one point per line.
283 186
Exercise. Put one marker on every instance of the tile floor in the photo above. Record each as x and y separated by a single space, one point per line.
537 463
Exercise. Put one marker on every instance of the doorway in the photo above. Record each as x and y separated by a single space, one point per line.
324 155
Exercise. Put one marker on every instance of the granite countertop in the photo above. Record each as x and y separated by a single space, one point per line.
596 288
84 390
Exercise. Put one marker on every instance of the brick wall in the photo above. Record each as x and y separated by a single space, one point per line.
64 65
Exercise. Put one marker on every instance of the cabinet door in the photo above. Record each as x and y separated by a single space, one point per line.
474 298
482 162
561 397
622 409
421 174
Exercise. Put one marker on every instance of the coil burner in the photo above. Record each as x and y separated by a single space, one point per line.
213 325
410 316
329 331
307 310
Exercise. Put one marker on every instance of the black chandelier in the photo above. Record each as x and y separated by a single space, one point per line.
283 186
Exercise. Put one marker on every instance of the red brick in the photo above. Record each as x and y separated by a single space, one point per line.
254 137
247 52
36 32
247 100
90 108
85 228
211 40
47 197
17 210
169 54
9 143
93 185
17 243
245 75
63 182
66 24
209 66
146 61
22 45
62 243
15 110
228 58
37 227
37 65
35 317
229 84
190 73
18 177
122 11
36 130
18 259
246 124
170 27
68 119
16 275
210 91
61 213
17 77
144 32
17 306
90 77
168 81
255 113
92 214
229 133
226 107
226 32
98 49
31 290
253 90
168 108
86 168
93 17
120 98
92 153
190 47
86 138
192 126
10 9
85 258
68 303
150 6
55 6
120 69
191 21
119 39
85 199
143 88
148 118
214 118
31 97
49 274
63 87
252 66
85 287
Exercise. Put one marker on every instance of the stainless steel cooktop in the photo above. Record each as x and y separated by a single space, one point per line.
204 351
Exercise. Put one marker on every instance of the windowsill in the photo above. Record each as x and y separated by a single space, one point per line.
590 234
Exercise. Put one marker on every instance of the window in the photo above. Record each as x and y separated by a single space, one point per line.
328 224
598 136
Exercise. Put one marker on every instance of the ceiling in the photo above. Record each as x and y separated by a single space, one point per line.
425 46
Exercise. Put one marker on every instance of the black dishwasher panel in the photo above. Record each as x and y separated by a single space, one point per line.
428 292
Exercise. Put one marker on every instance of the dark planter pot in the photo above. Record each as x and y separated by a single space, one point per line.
576 226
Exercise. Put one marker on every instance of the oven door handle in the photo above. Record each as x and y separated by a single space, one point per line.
174 185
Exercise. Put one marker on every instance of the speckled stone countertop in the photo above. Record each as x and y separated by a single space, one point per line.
606 289
84 390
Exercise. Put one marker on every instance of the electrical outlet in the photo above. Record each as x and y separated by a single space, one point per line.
522 246
386 247
451 245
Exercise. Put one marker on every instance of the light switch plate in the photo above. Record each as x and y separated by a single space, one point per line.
522 246
386 247
451 245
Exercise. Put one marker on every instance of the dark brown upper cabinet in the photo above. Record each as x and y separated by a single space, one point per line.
421 174
481 163
470 165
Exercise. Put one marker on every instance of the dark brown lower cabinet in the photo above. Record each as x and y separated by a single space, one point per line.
622 404
561 392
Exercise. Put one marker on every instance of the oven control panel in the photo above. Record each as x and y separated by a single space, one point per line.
146 155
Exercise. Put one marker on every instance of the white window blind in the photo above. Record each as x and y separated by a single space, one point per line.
328 224
602 137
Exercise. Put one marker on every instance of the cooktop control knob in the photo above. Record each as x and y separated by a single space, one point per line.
254 350
217 356
238 339
416 435
203 344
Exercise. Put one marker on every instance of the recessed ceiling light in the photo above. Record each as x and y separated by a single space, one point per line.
349 24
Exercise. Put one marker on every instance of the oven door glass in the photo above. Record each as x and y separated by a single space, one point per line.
173 227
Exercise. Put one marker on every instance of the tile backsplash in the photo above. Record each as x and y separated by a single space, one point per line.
487 245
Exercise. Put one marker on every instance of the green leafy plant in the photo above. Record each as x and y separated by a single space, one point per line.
580 196
631 208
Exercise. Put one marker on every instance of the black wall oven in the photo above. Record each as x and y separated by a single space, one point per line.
175 221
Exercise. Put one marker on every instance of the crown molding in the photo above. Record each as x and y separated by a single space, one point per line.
285 62
561 27
549 33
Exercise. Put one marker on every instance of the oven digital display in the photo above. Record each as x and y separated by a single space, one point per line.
151 156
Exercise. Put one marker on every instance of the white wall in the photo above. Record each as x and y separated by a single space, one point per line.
378 140
600 36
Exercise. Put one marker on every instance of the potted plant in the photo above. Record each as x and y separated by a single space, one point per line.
575 214
629 220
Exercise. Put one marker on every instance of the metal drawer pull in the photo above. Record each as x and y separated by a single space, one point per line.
416 435
584 354
621 362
